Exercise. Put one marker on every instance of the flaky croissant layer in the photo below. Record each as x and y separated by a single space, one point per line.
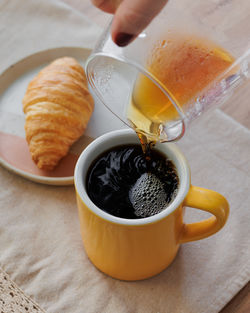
58 106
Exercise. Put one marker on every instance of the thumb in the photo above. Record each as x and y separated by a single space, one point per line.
131 17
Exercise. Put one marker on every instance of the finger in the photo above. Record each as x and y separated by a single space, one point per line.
131 17
108 6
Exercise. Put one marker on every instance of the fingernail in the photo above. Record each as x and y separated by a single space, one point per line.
123 39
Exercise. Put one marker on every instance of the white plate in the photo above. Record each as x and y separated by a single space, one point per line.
13 84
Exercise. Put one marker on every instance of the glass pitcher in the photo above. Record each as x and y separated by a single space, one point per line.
191 57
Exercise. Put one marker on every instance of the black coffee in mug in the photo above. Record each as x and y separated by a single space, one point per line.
125 183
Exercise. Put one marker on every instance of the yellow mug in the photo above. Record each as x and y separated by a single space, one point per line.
134 249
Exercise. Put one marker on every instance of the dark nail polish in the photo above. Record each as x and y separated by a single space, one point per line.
123 39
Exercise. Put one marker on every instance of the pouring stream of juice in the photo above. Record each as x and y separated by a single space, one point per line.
183 66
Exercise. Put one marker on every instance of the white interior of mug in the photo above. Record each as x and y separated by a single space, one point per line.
116 138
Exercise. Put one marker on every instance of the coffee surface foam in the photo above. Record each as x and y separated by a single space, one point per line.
148 196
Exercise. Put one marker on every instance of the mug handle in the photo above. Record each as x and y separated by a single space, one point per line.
206 200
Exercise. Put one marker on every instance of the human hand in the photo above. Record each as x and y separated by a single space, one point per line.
130 17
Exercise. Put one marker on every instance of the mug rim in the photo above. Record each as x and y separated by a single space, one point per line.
128 136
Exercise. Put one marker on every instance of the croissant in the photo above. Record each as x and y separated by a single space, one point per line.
57 107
